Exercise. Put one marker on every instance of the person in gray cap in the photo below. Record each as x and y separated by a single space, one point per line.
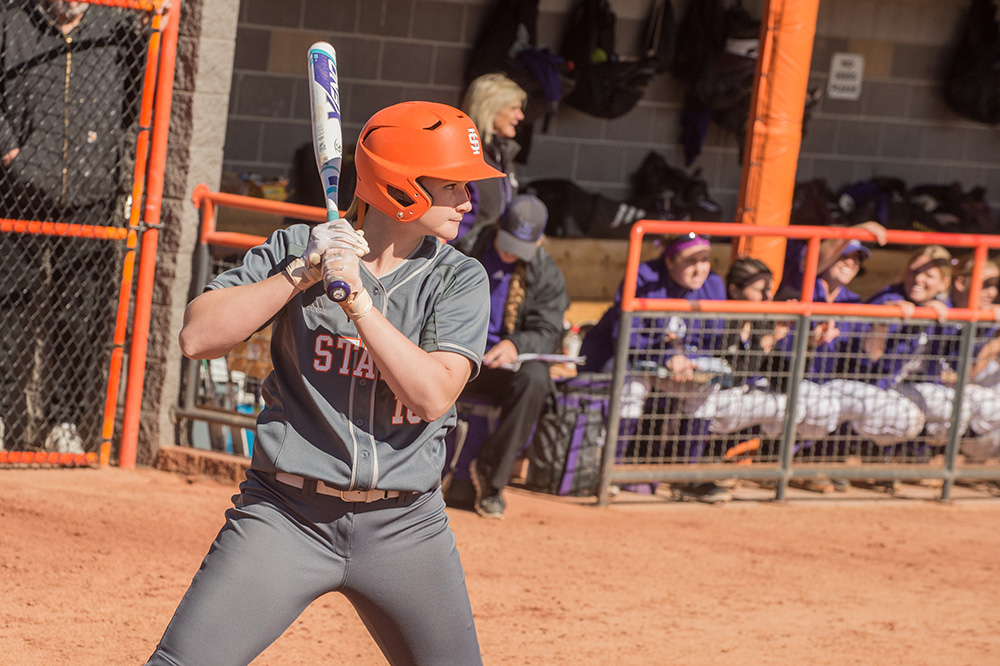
527 302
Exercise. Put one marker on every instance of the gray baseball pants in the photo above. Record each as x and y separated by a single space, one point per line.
281 548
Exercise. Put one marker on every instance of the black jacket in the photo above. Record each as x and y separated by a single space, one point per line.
66 102
539 325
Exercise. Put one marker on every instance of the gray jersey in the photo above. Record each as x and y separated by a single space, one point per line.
327 414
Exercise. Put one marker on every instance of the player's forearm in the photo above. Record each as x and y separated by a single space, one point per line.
217 320
427 384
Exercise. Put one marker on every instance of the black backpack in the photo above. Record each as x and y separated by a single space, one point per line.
577 213
719 84
564 457
664 192
972 82
608 85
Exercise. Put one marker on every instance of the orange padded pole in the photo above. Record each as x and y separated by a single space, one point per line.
147 256
774 133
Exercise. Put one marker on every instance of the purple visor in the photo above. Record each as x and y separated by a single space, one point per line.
682 243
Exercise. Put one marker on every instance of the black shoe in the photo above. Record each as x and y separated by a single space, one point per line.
841 485
487 505
490 507
709 492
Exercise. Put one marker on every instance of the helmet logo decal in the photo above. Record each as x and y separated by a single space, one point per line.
474 141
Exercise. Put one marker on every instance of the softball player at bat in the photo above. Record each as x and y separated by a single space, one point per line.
343 491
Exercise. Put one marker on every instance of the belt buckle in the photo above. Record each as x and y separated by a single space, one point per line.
358 496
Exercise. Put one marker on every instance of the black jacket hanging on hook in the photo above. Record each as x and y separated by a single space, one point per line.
609 85
972 84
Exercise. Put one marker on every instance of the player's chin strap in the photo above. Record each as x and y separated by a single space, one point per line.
362 209
358 303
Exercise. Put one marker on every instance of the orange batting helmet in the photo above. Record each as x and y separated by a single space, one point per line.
406 141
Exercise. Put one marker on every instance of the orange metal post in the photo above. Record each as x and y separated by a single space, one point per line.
128 264
775 126
150 236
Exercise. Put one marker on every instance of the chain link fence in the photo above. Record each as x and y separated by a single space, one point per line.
71 86
847 409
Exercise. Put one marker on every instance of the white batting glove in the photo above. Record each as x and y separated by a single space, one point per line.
347 237
307 270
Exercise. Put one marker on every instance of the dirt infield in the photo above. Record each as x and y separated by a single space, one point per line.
93 562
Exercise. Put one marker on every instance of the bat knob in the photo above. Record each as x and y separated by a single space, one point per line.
338 290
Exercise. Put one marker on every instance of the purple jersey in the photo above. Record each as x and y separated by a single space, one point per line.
913 350
697 335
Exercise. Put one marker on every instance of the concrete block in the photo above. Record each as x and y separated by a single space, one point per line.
858 137
289 51
944 143
449 66
847 18
222 16
358 58
387 18
330 16
634 126
599 162
884 99
243 139
900 141
918 61
253 49
438 21
280 139
878 57
266 96
407 62
193 462
285 14
926 103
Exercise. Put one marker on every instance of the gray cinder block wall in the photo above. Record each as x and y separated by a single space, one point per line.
395 50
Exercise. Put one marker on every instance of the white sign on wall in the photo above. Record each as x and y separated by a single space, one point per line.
846 72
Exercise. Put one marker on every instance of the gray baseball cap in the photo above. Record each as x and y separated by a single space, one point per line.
521 225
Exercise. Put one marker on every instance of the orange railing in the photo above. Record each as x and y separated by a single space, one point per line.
208 202
980 244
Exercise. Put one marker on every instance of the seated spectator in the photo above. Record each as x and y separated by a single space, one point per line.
982 439
985 371
527 302
829 380
875 413
760 358
496 105
746 347
679 346
682 270
830 250
910 357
